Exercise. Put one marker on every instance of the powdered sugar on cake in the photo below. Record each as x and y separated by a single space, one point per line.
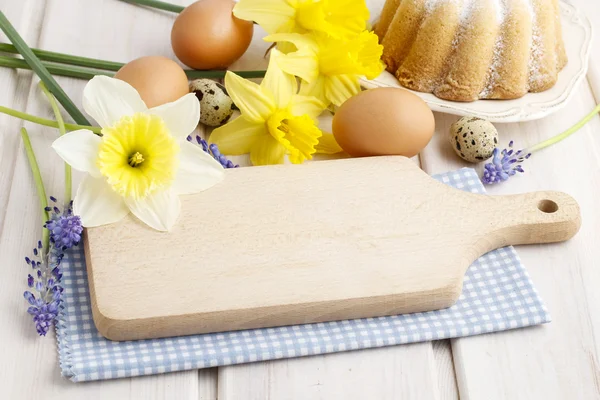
503 47
537 49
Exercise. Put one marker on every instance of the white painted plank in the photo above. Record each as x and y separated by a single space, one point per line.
207 384
446 376
559 360
109 29
592 11
384 373
27 18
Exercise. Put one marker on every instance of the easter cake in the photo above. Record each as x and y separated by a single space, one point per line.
465 50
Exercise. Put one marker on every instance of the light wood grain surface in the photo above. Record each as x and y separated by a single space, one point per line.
555 361
356 251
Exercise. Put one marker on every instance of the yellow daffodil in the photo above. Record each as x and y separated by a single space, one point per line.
337 18
141 163
329 67
275 121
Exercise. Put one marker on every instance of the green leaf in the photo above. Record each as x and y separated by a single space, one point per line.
83 72
46 122
55 69
41 71
161 5
39 184
62 58
62 130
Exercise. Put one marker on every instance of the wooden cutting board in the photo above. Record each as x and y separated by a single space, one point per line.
294 244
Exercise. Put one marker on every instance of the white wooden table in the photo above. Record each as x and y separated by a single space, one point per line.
556 361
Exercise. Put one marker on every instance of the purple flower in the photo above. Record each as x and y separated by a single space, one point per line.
505 164
44 313
65 228
213 150
43 305
46 300
44 296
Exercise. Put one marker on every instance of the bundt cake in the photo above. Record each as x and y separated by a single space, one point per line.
465 50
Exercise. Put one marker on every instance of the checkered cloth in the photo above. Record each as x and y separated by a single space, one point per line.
497 295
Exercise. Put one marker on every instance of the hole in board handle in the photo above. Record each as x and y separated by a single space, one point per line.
547 206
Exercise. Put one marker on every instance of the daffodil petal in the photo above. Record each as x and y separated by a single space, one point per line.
250 98
197 171
308 105
97 203
107 100
79 149
339 88
271 15
285 47
315 89
281 84
180 116
267 151
158 210
338 18
238 136
303 62
299 40
328 145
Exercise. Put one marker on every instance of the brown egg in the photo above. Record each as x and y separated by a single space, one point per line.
383 121
158 80
206 35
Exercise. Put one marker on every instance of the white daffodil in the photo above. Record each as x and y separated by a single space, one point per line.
142 161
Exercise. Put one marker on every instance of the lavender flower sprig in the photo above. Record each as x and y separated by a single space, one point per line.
213 150
507 162
45 281
65 232
61 231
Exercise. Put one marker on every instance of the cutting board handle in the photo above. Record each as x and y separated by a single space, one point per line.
537 217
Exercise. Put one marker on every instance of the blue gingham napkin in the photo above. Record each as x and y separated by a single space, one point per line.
497 295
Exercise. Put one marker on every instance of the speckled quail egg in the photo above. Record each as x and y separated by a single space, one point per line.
473 139
216 106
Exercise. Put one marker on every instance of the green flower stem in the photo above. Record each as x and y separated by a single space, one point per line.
41 70
55 69
46 122
62 130
68 184
61 58
161 5
39 185
220 74
83 72
566 133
